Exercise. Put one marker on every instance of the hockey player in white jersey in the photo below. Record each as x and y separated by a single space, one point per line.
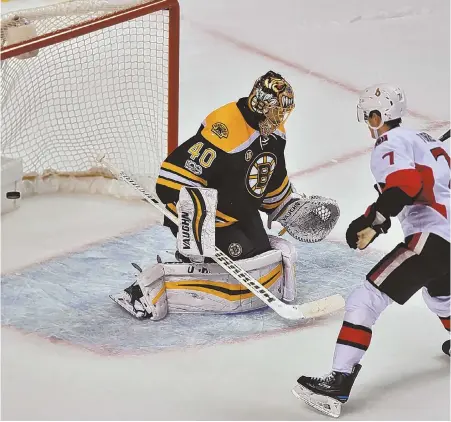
413 178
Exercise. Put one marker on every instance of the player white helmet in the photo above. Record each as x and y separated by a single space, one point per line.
388 100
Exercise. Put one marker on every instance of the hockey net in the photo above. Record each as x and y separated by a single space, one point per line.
86 77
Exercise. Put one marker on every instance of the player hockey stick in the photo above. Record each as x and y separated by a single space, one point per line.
444 137
294 312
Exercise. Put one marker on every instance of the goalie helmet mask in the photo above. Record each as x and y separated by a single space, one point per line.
272 97
388 100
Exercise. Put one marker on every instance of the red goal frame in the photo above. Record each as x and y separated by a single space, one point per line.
111 19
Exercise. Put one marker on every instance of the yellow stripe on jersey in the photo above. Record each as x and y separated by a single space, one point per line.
279 189
227 219
281 128
171 206
224 223
169 184
226 128
273 205
231 292
225 216
182 172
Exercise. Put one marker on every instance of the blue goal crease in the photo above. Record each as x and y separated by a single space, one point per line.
67 298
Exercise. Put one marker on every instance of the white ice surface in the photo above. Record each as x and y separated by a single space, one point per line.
326 49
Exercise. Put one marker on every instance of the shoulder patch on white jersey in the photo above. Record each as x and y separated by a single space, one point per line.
381 140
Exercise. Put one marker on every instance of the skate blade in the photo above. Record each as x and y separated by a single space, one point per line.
324 404
124 304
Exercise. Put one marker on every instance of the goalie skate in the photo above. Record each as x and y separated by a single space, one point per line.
133 307
324 404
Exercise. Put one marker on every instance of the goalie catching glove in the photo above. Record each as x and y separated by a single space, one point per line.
307 219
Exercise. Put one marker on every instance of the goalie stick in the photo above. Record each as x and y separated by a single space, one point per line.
293 312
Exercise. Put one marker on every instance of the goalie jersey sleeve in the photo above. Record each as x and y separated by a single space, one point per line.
229 154
418 165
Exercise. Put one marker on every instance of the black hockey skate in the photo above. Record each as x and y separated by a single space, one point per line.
446 346
327 393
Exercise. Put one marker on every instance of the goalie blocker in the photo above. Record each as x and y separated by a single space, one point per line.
206 288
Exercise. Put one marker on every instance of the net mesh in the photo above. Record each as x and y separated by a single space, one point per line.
106 91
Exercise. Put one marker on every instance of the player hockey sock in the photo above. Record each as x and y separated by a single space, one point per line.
352 343
445 322
446 344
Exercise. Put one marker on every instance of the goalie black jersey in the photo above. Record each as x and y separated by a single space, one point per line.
229 154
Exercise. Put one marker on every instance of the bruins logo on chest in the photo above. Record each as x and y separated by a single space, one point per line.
259 173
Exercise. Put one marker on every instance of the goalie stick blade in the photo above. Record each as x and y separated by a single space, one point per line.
326 405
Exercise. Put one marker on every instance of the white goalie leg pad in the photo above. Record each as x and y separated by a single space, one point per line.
196 210
152 284
207 288
289 257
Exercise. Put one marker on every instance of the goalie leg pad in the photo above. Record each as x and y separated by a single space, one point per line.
146 297
289 257
152 284
207 288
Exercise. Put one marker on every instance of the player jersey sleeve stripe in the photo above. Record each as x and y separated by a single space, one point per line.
169 184
178 179
172 168
279 189
281 199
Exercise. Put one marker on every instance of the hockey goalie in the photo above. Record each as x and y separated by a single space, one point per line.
215 184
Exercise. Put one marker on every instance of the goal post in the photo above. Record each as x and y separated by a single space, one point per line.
89 76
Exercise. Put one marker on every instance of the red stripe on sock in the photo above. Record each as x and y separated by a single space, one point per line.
355 335
445 322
